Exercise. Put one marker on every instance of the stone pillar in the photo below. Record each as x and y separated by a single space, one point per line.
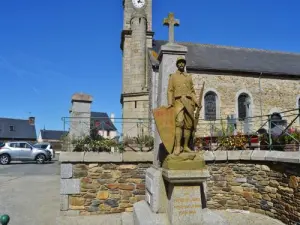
168 56
80 116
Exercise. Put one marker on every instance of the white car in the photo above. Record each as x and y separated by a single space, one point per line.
45 146
22 151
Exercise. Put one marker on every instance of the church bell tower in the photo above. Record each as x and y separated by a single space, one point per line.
136 38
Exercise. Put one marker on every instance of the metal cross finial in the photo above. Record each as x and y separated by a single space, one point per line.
171 22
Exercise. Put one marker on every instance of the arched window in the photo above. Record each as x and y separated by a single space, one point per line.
243 106
210 106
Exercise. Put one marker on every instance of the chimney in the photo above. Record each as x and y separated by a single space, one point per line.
112 117
31 120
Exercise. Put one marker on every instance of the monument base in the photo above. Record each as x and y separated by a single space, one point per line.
173 197
185 191
177 197
142 215
185 161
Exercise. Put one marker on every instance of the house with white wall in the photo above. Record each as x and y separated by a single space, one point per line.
104 124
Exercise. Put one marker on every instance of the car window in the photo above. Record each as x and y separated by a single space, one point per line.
27 146
2 144
14 145
22 145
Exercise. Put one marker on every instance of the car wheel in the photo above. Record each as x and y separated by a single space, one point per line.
40 159
4 159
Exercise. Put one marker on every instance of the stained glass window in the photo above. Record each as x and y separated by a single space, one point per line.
210 103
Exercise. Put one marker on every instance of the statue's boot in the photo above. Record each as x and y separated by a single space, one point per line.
187 135
178 135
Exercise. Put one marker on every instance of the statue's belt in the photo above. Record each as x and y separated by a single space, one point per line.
187 96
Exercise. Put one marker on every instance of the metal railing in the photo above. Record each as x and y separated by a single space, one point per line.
264 132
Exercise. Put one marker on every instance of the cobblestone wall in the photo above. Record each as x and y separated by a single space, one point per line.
271 189
107 188
259 181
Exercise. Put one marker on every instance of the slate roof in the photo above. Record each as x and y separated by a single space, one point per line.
104 121
225 58
52 134
23 130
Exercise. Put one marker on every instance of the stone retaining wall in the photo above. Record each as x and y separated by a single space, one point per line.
102 183
261 181
266 188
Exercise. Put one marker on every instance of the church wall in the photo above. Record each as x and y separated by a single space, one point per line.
276 94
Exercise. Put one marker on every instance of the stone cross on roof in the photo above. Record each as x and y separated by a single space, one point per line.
171 22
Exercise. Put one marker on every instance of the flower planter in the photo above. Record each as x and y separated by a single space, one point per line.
291 147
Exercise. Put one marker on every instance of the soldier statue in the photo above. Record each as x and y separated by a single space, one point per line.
182 96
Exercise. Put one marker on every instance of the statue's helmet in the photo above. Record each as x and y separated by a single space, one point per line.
180 59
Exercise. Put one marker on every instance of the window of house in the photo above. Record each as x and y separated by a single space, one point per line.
243 106
97 123
12 128
108 133
210 104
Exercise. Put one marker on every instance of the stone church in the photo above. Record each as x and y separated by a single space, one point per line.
242 84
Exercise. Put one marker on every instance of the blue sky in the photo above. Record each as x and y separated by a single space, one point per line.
52 49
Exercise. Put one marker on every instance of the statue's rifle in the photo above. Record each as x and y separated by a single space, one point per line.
197 114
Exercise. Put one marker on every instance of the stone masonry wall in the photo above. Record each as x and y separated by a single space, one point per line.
266 182
271 189
91 188
277 94
108 188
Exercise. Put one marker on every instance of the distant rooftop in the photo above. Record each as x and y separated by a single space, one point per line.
52 134
226 58
17 129
104 121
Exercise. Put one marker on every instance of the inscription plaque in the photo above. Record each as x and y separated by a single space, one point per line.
185 205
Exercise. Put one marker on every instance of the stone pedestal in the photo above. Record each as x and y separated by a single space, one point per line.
172 197
156 195
185 192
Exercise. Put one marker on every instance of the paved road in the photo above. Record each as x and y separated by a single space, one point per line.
29 193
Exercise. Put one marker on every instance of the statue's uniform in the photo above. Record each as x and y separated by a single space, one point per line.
181 95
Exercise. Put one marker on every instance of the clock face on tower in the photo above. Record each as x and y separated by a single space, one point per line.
138 3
